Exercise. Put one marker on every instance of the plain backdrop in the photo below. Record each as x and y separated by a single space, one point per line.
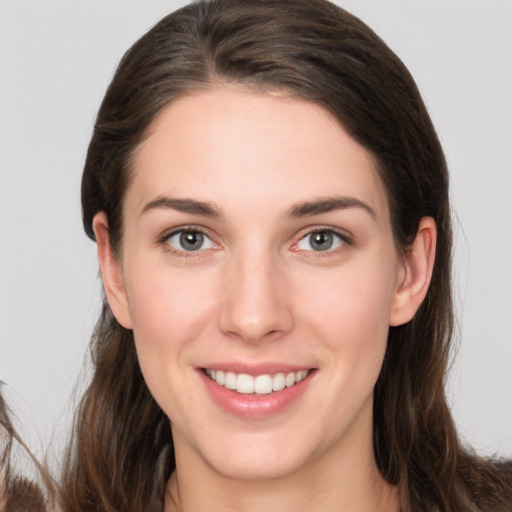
56 59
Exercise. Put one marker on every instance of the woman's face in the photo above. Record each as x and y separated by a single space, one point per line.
257 252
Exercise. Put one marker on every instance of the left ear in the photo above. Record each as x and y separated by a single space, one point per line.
415 275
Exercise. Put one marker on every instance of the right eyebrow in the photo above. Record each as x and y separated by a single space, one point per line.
183 205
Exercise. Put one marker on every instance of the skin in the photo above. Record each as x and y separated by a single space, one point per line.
257 291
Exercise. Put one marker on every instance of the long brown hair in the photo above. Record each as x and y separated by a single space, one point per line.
121 454
17 492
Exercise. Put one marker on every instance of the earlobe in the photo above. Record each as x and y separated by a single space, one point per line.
111 272
417 267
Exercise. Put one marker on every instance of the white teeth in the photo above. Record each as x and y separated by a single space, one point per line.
230 380
278 382
261 384
220 377
245 384
300 375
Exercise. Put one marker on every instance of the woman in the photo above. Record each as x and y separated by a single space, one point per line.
270 204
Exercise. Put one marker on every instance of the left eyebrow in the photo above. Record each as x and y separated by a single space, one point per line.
329 204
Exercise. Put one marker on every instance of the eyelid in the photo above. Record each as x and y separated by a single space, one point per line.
346 238
163 239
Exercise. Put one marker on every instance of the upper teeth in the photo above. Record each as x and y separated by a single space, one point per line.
261 384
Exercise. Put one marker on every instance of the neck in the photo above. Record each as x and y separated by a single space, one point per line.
243 496
344 480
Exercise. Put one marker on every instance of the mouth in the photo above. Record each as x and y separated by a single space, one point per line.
263 384
256 393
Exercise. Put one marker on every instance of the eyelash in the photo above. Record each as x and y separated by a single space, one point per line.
164 241
345 241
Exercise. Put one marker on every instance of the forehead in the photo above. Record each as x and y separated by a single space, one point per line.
237 147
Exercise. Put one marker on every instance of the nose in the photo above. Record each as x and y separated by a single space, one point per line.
256 303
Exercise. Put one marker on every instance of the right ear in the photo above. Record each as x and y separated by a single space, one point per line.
111 272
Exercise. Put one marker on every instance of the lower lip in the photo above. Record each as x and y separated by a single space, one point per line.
253 405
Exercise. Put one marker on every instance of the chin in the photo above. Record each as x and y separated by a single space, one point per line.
260 458
261 469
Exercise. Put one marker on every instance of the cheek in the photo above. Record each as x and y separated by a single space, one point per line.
350 313
169 311
164 301
352 306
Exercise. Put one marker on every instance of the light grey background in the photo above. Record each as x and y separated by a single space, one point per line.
56 58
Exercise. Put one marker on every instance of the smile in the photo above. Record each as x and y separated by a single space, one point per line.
259 384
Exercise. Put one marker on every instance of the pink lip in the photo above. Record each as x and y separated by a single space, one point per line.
251 405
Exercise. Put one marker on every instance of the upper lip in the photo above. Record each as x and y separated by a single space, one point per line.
256 369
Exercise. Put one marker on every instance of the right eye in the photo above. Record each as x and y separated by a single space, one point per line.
189 240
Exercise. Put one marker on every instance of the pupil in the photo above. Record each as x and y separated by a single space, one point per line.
191 241
321 241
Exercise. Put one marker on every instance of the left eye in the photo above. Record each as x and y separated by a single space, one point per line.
190 240
323 240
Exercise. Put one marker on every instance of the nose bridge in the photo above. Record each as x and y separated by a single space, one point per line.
255 305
